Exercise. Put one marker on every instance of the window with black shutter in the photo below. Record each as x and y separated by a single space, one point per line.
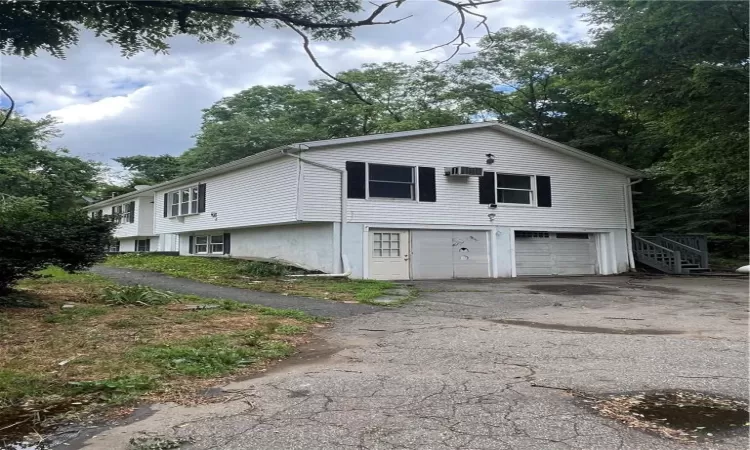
355 178
427 190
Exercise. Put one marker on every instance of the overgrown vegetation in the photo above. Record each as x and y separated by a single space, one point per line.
100 351
32 237
256 275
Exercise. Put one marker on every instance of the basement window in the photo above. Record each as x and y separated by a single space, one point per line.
514 189
387 181
209 245
143 245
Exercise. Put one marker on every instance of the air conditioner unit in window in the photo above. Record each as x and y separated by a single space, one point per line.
462 171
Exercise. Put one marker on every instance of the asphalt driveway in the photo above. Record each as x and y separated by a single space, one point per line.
484 365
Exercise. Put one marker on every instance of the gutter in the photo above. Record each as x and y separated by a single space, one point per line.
344 260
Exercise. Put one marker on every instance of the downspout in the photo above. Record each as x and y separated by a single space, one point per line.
344 260
630 221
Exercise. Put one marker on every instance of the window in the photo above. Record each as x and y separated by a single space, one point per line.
386 245
386 181
117 214
213 245
114 246
572 235
183 202
143 245
514 189
126 213
532 234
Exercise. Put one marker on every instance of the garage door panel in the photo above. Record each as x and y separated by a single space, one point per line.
545 254
432 254
449 254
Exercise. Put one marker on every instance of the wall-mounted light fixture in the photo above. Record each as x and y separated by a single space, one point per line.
491 216
490 158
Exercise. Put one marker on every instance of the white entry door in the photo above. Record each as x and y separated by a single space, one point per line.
389 254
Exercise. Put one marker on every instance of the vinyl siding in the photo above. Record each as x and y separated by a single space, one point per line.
321 194
257 195
307 245
583 194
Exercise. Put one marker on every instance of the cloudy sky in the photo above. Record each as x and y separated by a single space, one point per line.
110 106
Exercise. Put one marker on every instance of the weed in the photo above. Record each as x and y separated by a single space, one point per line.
212 355
136 296
116 390
262 269
76 314
290 313
16 386
290 329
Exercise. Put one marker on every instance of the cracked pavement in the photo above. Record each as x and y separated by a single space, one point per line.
444 372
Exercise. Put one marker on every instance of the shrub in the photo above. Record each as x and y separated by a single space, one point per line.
136 295
262 269
32 238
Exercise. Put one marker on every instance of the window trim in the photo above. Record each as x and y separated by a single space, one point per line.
532 190
209 244
414 183
147 245
126 213
192 201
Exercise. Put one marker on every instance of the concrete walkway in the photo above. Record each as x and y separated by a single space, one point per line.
316 307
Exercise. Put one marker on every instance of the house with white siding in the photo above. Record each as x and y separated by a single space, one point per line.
480 200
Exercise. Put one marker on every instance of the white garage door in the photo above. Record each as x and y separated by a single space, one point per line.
449 254
547 253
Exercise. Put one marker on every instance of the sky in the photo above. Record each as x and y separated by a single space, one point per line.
109 106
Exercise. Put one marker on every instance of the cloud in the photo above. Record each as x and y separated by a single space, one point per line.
111 106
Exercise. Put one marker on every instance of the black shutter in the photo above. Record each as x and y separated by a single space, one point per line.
227 244
202 197
355 172
190 245
487 188
427 184
543 192
132 212
100 213
166 204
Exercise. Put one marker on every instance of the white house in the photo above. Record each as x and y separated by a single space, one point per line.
478 200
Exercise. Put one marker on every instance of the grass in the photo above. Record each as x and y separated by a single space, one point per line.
113 354
255 275
726 264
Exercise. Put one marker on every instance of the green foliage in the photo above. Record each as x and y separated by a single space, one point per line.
16 386
32 238
150 169
212 355
55 26
117 390
136 295
29 169
261 269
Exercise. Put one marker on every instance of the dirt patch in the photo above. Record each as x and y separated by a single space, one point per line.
681 415
584 329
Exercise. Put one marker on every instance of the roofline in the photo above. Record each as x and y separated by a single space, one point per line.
274 153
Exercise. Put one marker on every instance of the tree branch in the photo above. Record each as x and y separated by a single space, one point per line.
311 55
12 105
462 9
265 14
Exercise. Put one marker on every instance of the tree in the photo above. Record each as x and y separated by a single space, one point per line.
680 68
29 169
399 97
150 169
32 237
